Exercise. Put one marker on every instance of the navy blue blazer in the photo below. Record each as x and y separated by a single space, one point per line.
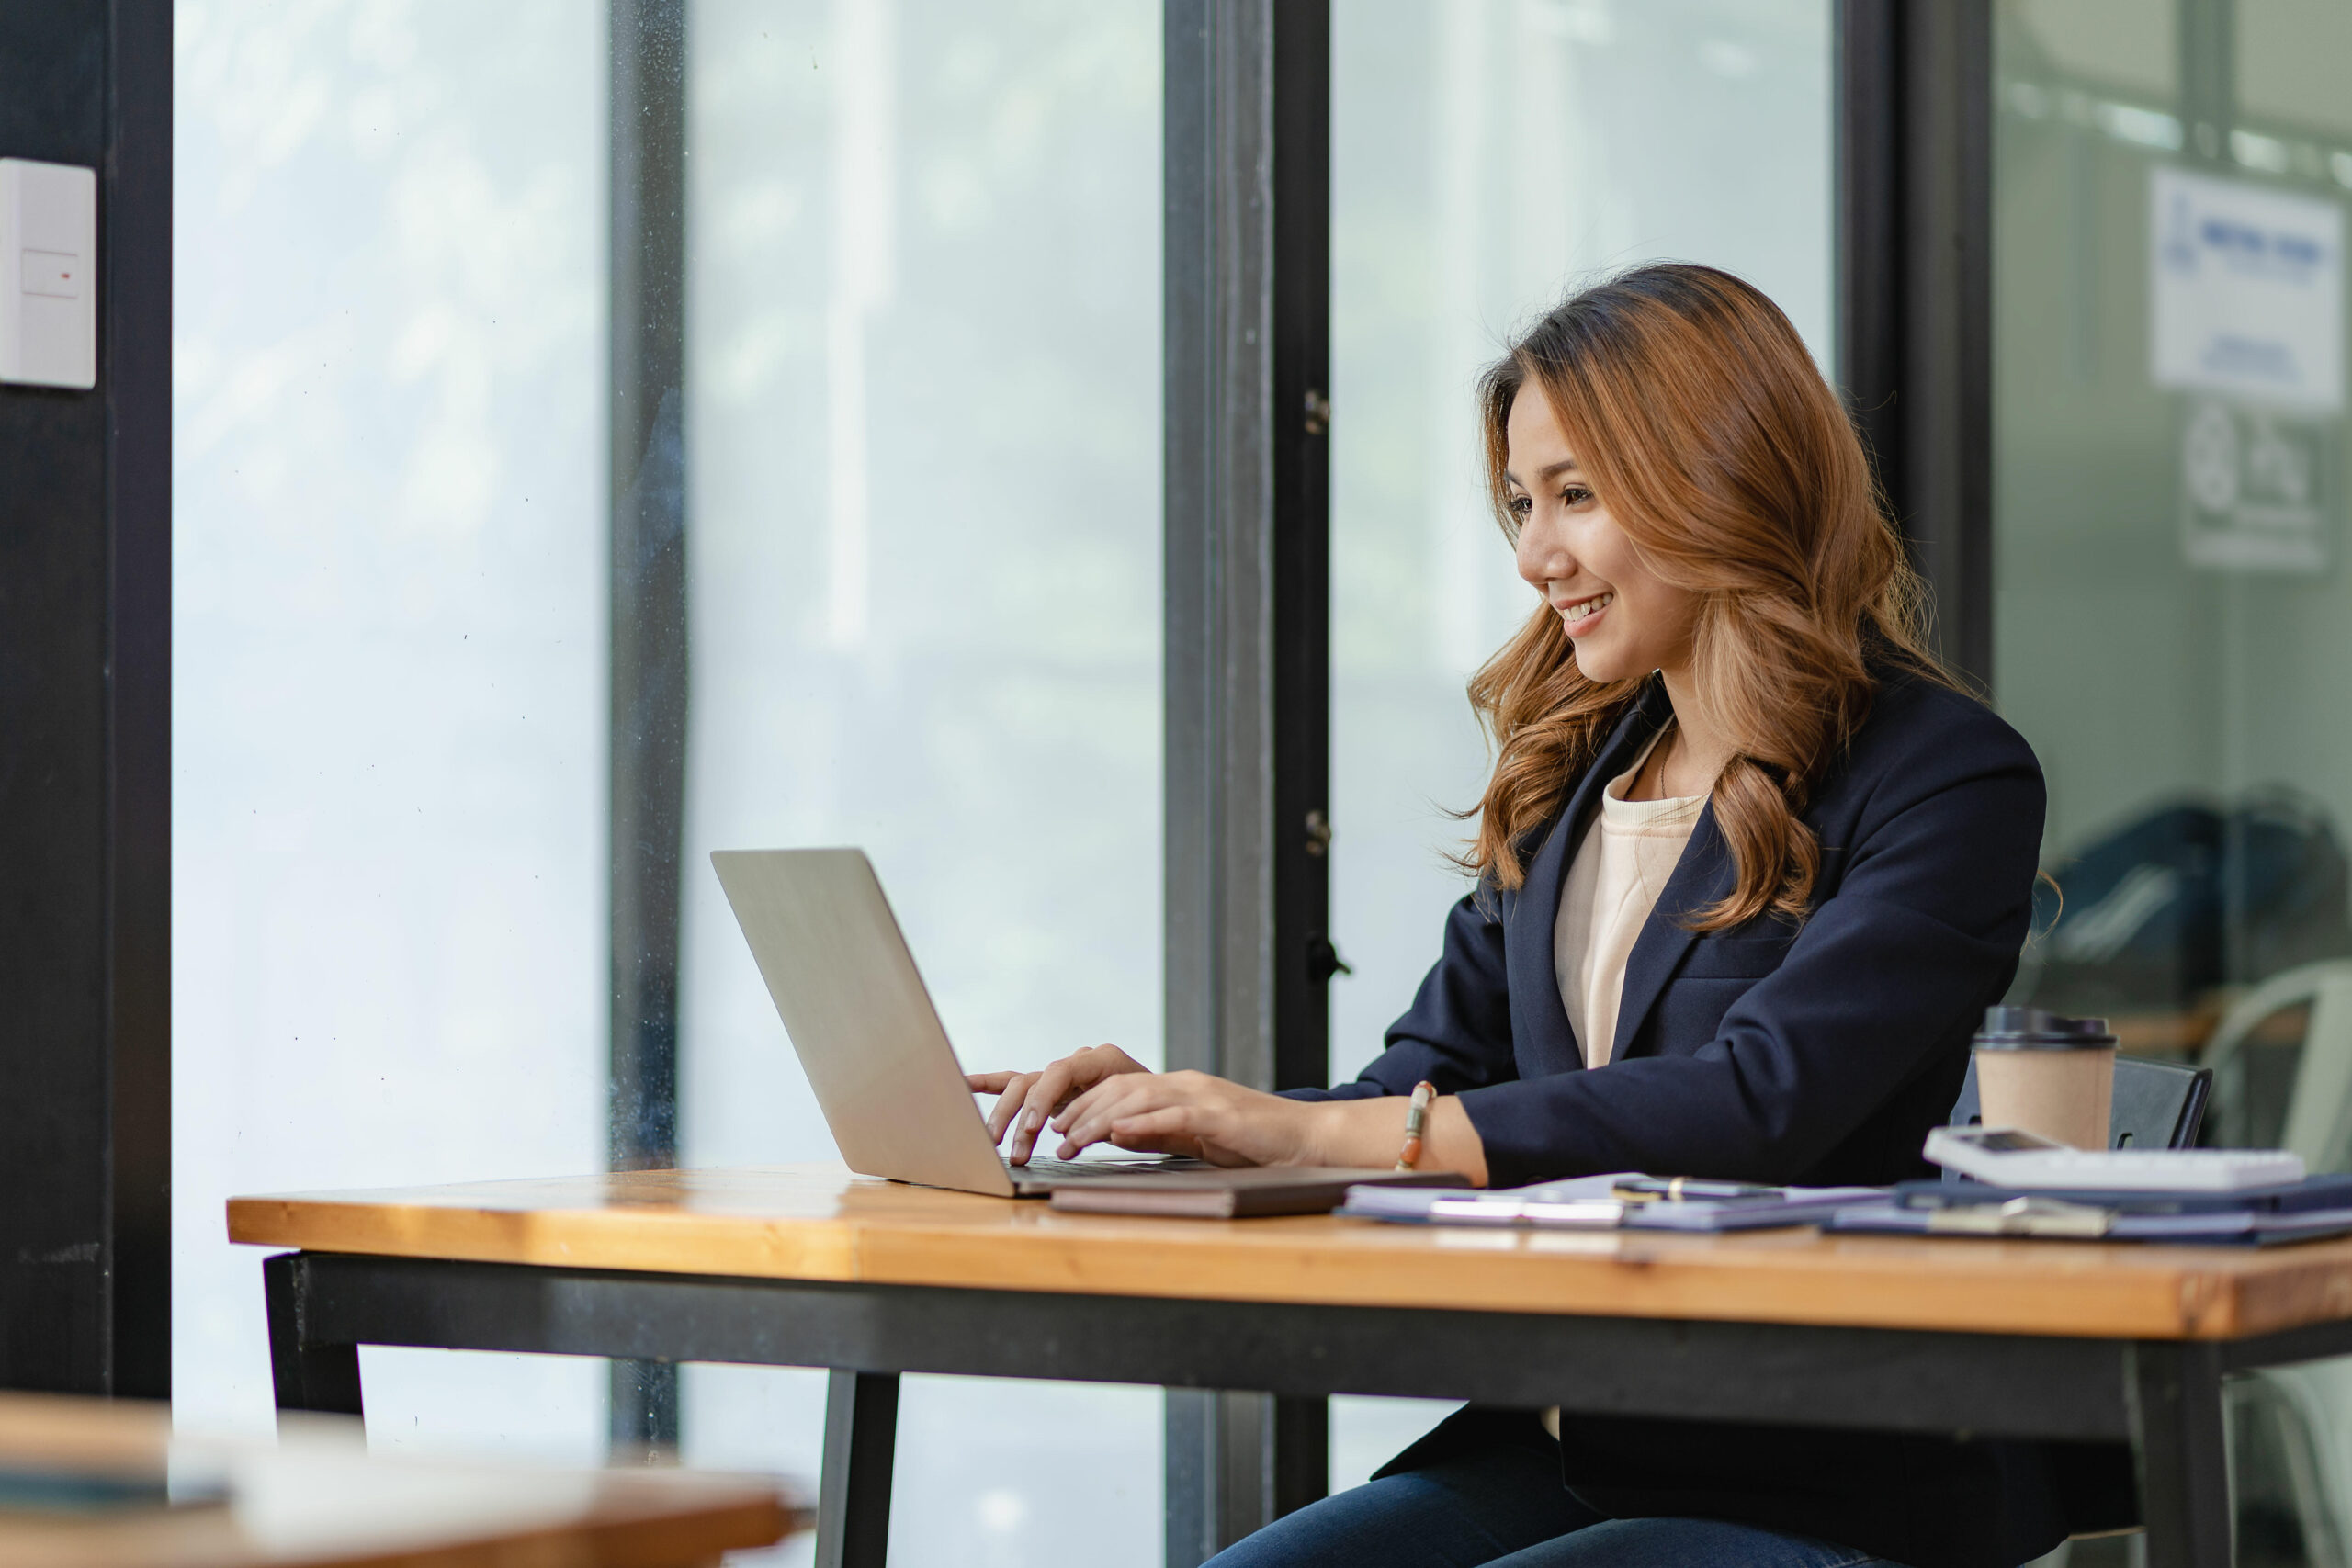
1767 1052
1820 1053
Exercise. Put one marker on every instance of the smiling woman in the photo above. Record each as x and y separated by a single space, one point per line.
1750 868
1761 580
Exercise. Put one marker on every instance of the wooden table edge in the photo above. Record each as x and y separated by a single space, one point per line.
2191 1303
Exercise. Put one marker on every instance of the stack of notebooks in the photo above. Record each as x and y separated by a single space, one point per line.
1626 1200
2308 1210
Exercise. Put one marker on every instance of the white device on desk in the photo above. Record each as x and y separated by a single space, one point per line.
2010 1157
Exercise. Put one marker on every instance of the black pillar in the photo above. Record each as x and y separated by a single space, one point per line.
1914 289
1247 729
649 624
85 557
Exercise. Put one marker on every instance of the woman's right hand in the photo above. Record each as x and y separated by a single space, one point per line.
1026 1101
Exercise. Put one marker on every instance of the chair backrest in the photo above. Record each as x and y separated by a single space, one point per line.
2156 1105
2319 1107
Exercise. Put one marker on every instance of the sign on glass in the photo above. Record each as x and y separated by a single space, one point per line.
2247 287
2246 296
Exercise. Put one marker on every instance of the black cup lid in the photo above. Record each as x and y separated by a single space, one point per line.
2030 1029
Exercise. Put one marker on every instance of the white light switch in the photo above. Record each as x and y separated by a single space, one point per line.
49 253
57 273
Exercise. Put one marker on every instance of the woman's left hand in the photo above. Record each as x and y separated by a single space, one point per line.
1190 1114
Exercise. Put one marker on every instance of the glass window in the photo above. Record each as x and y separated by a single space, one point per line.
1486 154
2172 613
923 436
388 797
924 473
2171 609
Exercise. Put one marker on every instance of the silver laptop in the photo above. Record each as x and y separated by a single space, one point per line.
865 1031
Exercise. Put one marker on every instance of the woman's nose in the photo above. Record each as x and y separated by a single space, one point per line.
1542 556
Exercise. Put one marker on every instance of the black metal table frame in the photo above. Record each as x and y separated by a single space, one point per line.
2163 1396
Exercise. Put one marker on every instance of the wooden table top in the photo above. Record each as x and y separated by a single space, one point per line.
314 1498
818 1222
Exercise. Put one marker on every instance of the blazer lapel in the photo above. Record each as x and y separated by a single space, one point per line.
1543 1042
1703 874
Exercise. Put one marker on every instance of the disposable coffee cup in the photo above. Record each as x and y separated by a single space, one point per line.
2051 1076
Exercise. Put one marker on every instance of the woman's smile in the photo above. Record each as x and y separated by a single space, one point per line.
1580 615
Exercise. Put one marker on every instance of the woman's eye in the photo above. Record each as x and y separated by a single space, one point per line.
1575 495
1520 506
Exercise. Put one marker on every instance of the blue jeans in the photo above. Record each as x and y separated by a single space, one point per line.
1504 1508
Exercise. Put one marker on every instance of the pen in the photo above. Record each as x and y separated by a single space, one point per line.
1681 1189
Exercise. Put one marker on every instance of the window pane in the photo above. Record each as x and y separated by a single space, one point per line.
1486 154
924 527
2172 613
924 393
388 860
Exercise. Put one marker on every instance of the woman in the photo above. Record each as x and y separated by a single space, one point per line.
1749 869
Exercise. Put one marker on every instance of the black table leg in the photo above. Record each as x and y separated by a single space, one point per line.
307 1377
1302 1453
853 1494
2176 1399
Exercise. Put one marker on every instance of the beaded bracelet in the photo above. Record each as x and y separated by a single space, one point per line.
1416 1116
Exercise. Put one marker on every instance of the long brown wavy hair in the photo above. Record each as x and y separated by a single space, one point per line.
1703 424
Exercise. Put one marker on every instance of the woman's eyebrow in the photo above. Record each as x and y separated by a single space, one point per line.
1549 471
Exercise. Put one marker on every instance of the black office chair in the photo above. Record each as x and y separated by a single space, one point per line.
2156 1105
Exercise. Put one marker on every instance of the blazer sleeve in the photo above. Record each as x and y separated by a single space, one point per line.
1894 967
1457 1032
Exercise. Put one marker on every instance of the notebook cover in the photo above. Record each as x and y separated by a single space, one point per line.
2311 1192
1244 1192
2241 1227
1584 1203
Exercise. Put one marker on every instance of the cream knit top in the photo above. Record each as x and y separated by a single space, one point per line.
1612 884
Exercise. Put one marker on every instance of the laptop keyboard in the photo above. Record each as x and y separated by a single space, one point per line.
1080 1169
